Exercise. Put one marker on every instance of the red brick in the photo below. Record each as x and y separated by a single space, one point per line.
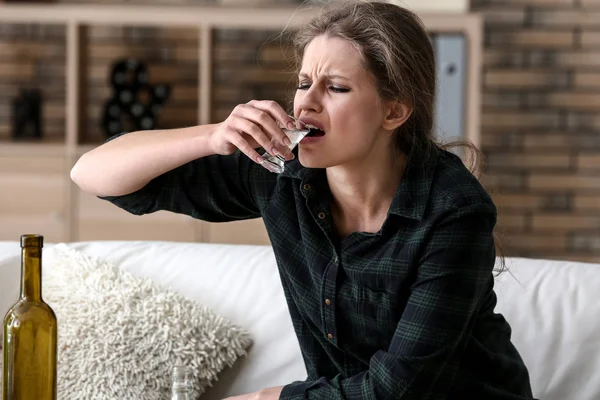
587 80
532 38
587 203
575 100
503 58
566 18
564 182
537 241
578 59
505 16
517 201
501 140
563 222
590 38
529 161
547 140
519 119
589 120
588 161
502 181
525 78
512 222
501 99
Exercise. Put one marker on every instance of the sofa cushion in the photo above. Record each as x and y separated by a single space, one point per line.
120 335
553 312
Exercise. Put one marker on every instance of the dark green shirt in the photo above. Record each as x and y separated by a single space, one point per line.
404 313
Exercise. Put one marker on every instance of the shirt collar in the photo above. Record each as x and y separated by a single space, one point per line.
412 195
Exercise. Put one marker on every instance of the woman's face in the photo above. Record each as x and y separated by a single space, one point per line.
337 94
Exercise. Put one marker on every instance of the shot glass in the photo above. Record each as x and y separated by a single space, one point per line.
276 164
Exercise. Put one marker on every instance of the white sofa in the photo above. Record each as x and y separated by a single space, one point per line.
551 305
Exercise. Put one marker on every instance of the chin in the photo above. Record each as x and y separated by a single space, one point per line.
312 160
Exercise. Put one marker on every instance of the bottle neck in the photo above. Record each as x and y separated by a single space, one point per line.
31 273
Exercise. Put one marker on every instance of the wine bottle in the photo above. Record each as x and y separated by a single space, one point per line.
30 333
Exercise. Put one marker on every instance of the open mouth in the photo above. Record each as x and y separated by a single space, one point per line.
314 131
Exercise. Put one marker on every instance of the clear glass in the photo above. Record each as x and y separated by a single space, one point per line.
276 164
182 378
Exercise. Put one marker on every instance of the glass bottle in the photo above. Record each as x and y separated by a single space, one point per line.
182 383
30 333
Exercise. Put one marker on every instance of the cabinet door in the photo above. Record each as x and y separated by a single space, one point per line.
100 220
33 197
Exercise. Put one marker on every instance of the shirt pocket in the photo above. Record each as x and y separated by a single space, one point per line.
368 319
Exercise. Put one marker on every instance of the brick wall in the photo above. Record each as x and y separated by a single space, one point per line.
541 124
541 103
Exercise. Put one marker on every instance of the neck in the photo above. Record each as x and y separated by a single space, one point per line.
31 272
363 192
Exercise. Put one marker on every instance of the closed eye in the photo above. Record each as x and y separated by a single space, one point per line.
335 89
338 89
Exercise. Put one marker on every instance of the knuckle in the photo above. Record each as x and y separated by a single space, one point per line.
262 116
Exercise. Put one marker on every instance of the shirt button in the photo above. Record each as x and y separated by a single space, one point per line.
329 336
306 186
328 302
322 215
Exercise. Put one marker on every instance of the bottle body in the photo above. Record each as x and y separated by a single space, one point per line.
30 334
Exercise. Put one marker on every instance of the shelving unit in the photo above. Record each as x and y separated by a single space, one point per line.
76 216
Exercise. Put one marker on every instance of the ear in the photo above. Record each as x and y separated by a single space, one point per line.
396 114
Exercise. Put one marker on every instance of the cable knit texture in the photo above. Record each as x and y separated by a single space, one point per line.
119 336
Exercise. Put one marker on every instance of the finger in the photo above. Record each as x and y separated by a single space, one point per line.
258 134
238 141
269 113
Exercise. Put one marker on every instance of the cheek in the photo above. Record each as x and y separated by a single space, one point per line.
297 98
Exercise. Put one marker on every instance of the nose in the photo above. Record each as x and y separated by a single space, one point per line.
309 100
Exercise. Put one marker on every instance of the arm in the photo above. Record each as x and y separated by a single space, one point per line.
427 347
196 171
130 161
127 163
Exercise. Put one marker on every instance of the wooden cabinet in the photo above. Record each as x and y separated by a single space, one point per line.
100 220
34 196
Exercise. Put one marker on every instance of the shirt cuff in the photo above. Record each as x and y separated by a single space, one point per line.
295 391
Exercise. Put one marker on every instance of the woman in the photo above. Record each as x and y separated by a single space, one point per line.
384 240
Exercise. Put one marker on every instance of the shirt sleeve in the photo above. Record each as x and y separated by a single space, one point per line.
214 189
424 355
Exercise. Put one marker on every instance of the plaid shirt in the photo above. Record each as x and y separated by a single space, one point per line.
404 313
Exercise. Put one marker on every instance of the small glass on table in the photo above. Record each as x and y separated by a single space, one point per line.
182 381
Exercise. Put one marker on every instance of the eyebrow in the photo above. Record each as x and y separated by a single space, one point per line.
328 76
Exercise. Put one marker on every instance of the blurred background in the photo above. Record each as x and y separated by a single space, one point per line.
539 116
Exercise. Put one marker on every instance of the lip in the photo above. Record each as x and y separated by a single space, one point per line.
311 139
312 121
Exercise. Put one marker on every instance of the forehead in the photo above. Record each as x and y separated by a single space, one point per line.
328 55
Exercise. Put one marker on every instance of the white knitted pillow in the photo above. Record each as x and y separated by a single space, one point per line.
119 335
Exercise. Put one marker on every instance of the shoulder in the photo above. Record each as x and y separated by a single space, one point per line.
454 187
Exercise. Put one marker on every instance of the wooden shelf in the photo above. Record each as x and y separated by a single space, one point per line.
215 17
42 148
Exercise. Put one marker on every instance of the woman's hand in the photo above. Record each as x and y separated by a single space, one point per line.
253 125
265 394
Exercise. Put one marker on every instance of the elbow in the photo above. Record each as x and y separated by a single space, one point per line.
84 176
78 172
